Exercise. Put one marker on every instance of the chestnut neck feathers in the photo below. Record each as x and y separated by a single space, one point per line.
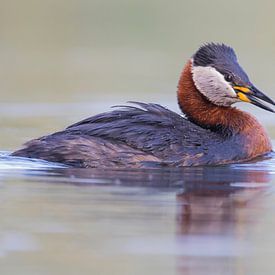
198 109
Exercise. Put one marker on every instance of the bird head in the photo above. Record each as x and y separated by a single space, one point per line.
219 77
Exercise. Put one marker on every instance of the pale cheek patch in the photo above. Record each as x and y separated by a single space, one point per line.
212 84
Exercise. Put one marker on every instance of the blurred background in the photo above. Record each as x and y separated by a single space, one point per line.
65 60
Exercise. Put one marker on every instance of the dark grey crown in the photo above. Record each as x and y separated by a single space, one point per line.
222 58
211 53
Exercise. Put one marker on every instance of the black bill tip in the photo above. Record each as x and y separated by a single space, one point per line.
255 97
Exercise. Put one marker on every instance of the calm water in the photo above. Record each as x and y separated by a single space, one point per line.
215 220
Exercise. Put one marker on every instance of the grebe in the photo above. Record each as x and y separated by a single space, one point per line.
212 132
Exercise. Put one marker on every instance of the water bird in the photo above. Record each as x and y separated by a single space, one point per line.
209 132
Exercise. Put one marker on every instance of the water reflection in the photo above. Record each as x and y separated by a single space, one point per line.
160 221
213 221
215 207
223 178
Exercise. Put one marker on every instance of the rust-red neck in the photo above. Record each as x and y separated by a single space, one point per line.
201 111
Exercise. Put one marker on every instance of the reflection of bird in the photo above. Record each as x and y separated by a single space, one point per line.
212 133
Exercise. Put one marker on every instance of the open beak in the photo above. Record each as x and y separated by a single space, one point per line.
254 96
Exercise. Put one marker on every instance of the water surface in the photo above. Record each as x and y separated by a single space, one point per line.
204 220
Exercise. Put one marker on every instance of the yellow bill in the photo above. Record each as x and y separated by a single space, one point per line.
243 97
242 89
